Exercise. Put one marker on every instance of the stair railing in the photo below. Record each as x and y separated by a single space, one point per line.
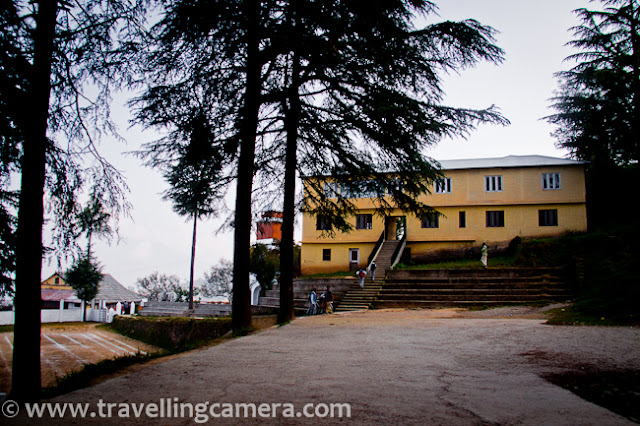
397 254
375 251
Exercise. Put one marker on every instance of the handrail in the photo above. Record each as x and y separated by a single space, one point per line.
395 258
376 250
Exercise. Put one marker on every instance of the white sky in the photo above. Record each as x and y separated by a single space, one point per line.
532 34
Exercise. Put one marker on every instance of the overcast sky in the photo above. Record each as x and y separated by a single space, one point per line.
532 34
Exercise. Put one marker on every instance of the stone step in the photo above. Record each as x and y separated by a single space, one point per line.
471 290
473 297
445 304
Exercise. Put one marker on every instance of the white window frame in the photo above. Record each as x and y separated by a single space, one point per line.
493 183
551 181
442 186
355 251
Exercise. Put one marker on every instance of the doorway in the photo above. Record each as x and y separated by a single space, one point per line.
354 259
395 227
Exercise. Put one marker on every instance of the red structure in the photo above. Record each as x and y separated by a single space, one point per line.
270 226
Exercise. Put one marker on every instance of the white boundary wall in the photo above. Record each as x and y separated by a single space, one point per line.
47 315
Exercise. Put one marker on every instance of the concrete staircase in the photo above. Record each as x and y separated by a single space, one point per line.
302 288
472 287
383 259
358 298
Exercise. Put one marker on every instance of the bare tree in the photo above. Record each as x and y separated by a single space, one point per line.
160 287
219 280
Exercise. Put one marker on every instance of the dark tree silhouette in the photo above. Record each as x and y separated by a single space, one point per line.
598 105
361 69
598 102
84 277
94 220
211 51
195 182
54 49
303 78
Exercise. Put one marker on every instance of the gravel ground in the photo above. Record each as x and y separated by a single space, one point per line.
442 367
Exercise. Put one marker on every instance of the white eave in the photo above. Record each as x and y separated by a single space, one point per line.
509 161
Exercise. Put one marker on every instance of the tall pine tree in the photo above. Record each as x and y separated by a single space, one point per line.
598 103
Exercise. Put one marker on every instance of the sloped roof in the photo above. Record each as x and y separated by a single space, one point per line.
508 161
112 291
55 295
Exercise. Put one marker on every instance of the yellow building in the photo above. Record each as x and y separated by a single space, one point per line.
490 200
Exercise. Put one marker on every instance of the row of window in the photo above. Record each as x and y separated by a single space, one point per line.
492 183
494 219
550 181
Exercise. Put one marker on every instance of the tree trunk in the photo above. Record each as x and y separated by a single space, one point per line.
292 119
241 308
26 351
193 259
635 87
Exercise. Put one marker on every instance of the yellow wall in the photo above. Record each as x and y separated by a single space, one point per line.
312 263
51 283
521 198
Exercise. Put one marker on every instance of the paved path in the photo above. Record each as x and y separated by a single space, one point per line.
392 367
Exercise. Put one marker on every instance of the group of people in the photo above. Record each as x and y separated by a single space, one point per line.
322 304
361 273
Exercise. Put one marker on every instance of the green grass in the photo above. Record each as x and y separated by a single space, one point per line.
497 262
573 315
341 274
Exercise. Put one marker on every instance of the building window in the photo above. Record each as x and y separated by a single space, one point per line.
359 189
462 219
548 217
322 223
56 280
442 186
493 183
495 219
326 254
394 186
430 220
364 221
331 189
550 181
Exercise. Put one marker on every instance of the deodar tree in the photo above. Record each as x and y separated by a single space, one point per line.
598 103
194 167
303 78
214 50
63 58
358 90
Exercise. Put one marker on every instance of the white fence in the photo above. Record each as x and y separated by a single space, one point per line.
47 315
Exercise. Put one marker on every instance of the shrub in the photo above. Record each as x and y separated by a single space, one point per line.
174 334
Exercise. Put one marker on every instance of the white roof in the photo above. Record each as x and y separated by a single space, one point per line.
509 161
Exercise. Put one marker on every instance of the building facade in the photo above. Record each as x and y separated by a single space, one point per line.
490 200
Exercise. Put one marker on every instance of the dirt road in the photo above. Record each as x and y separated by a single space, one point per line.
442 367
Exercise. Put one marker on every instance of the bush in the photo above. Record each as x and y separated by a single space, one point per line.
604 264
174 334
